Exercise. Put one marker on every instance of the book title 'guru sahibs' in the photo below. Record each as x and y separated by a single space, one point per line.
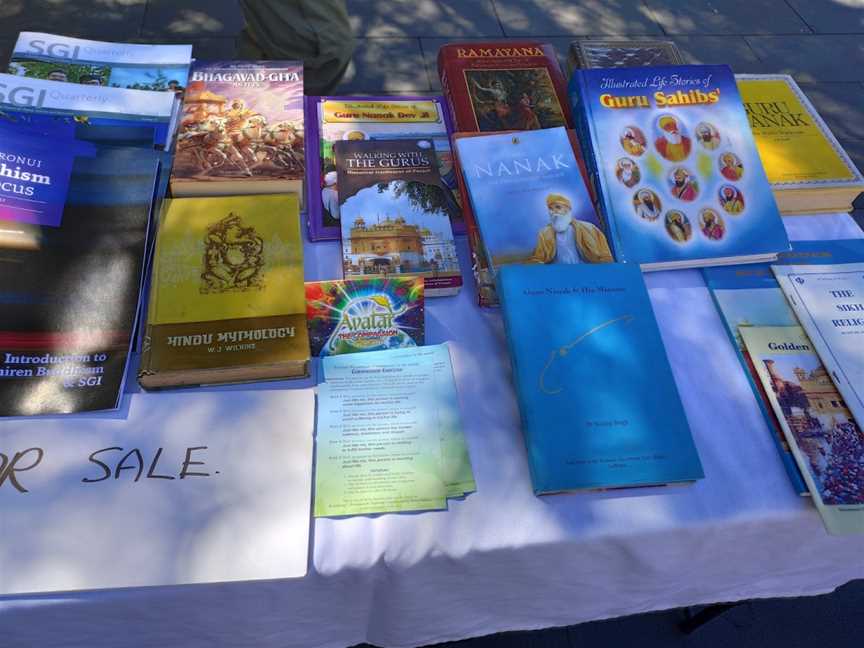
672 90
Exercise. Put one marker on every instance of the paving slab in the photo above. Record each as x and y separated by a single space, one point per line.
841 106
536 18
814 58
726 17
855 149
192 18
387 66
735 51
831 16
115 20
407 18
5 52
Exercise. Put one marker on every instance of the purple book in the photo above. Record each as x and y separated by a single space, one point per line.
333 119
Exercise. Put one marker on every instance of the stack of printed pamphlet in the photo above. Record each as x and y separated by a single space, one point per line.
389 434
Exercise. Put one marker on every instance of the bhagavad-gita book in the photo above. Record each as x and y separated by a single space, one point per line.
530 200
241 131
829 303
226 299
680 180
355 315
608 53
395 213
599 404
807 167
821 432
332 119
71 268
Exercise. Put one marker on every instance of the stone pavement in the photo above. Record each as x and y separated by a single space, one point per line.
819 42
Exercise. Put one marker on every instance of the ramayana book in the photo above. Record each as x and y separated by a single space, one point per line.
226 299
395 213
117 114
355 315
608 53
529 198
333 119
680 180
70 279
749 296
829 303
821 432
807 167
242 130
599 404
163 68
503 85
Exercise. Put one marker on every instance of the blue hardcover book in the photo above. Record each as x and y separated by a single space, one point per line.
749 296
529 199
600 408
679 179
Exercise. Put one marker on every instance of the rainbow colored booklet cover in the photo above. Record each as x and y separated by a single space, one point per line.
680 179
600 408
352 315
530 199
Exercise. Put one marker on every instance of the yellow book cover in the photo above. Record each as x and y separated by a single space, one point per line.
797 148
227 295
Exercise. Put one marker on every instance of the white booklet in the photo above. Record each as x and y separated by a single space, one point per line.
191 487
118 65
94 104
829 303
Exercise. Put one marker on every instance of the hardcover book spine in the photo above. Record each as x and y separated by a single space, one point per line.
312 146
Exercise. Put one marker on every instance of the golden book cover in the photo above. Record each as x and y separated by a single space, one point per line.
227 302
807 167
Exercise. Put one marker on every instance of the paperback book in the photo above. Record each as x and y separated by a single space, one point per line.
395 213
226 296
242 130
162 68
530 200
333 119
108 115
829 302
599 404
604 53
70 279
807 167
355 315
679 178
749 296
824 438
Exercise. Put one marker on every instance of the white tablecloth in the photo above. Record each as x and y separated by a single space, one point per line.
503 559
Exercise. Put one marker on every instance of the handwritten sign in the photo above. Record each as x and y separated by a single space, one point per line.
186 488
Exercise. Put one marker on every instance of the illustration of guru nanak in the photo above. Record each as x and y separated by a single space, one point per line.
567 240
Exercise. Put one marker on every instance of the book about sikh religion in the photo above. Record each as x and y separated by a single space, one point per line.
332 119
241 131
807 167
530 200
679 178
599 404
226 299
395 212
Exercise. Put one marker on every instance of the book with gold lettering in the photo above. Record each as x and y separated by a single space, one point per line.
227 302
807 167
333 119
679 179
